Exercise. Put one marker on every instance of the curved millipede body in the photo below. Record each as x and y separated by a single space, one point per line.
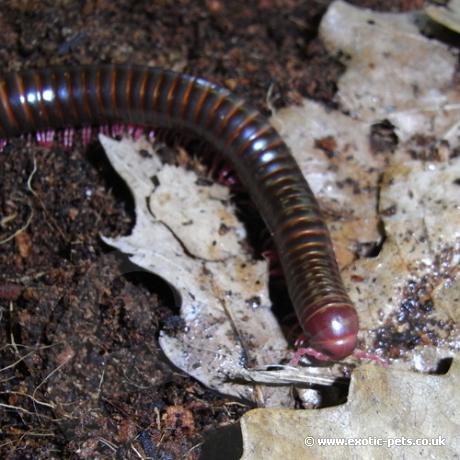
31 101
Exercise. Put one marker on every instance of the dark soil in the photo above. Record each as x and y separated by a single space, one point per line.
81 372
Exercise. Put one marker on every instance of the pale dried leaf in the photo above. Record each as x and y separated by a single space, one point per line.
223 292
418 201
420 207
225 309
393 71
382 404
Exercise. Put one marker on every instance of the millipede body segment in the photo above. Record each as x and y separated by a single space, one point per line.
81 96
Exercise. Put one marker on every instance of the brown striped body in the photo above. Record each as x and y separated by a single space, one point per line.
89 95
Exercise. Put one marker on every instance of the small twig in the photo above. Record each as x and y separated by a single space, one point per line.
101 381
19 230
7 443
22 358
29 179
54 371
288 375
50 219
32 433
269 98
29 219
12 341
7 219
108 444
23 435
157 418
26 395
236 403
28 412
138 453
196 446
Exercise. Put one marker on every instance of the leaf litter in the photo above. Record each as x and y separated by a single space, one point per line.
395 204
223 292
405 201
382 406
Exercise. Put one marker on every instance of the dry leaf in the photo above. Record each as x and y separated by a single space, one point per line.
420 208
418 199
224 295
383 404
393 71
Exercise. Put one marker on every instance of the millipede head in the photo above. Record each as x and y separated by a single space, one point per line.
333 330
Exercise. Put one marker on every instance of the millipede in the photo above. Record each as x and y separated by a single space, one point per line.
82 96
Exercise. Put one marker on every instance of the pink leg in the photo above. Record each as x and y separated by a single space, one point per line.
139 131
361 354
45 138
224 175
308 351
68 137
86 135
275 268
300 352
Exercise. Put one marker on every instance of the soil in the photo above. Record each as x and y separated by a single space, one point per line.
82 375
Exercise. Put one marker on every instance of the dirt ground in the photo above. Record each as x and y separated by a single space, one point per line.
82 375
